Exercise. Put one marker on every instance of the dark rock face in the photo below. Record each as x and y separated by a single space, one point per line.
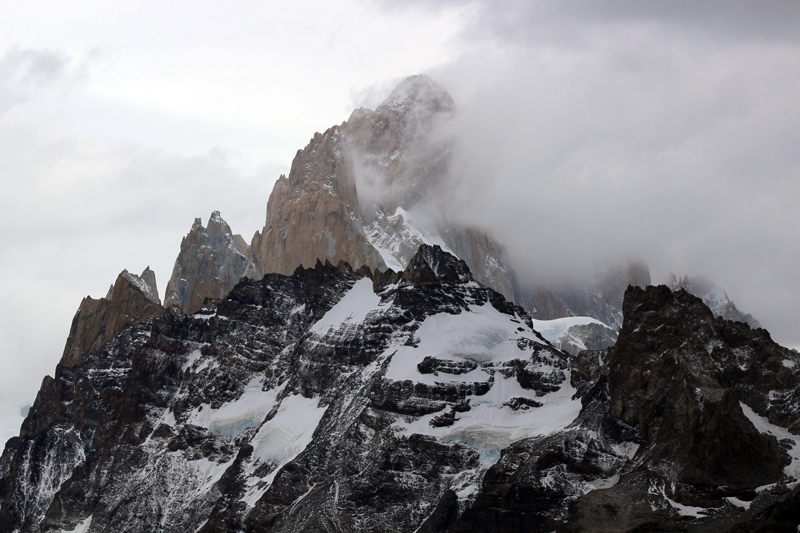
411 401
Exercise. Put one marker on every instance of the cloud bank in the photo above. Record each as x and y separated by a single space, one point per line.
588 133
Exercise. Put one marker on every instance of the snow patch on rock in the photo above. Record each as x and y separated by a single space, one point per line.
765 426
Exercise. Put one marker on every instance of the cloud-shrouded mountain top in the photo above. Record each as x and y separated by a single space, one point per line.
659 131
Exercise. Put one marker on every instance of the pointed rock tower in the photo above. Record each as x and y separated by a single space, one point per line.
132 299
211 262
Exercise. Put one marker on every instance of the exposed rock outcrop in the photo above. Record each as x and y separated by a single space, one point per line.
132 299
211 262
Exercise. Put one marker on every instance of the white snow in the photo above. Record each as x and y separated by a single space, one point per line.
193 358
398 235
738 503
764 426
83 527
553 330
627 449
167 418
687 510
209 472
234 417
352 309
490 426
281 439
604 483
788 363
481 334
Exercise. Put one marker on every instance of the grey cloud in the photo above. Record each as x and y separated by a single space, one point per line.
26 73
580 21
589 132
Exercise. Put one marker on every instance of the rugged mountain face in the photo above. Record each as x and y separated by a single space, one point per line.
351 194
683 428
714 297
341 400
321 400
130 300
210 263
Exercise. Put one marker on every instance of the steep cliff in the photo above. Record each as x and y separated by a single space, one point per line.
130 300
211 262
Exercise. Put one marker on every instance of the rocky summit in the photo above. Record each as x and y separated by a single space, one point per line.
336 399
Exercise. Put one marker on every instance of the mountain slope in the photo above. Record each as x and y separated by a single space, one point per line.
297 403
334 400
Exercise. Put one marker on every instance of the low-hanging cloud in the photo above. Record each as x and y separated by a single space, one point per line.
659 131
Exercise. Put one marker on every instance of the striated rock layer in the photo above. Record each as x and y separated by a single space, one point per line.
211 262
342 400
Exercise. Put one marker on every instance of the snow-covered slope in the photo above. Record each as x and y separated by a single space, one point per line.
397 237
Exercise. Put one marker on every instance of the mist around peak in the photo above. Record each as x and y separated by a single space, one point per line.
665 132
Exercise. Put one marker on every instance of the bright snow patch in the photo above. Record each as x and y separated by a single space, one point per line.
788 363
687 510
352 309
83 527
764 426
491 426
738 503
481 334
553 330
281 439
234 417
396 236
193 358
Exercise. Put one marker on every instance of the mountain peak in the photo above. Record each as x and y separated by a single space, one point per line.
211 261
431 265
418 90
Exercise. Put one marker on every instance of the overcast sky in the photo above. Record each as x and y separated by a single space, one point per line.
587 132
